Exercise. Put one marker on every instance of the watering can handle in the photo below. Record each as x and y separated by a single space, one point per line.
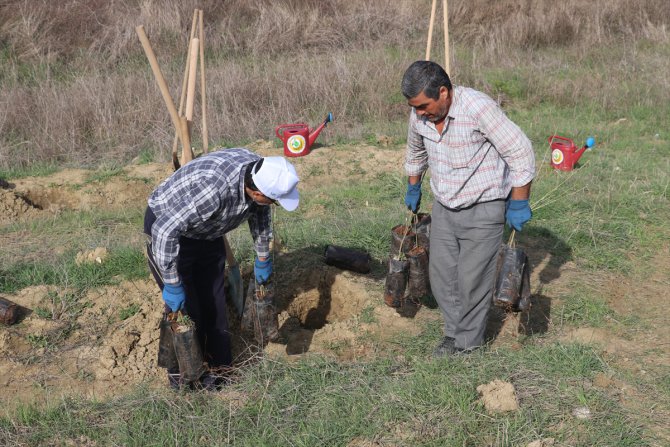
556 137
277 129
280 135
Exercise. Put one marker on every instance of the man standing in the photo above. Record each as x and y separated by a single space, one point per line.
482 166
186 218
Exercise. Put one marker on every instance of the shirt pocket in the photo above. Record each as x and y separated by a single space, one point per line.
428 134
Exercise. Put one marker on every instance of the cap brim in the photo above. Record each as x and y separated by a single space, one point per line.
290 201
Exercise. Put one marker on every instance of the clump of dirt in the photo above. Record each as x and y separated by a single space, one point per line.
498 396
97 345
14 206
546 442
97 255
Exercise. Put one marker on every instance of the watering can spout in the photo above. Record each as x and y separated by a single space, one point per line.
315 133
590 142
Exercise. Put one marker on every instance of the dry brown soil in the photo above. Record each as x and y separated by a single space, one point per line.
323 310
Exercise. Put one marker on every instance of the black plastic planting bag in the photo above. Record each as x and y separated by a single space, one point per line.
347 259
260 315
396 282
511 289
167 358
8 311
418 282
187 350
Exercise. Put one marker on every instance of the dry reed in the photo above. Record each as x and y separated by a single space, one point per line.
76 88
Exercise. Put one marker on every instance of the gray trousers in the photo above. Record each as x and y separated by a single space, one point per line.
463 248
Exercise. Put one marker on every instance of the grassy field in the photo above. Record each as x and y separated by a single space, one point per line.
598 239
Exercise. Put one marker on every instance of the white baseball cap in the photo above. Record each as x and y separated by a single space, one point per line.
277 180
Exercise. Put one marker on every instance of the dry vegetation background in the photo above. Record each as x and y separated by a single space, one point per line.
76 88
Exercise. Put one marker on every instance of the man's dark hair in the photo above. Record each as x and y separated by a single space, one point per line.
252 168
426 77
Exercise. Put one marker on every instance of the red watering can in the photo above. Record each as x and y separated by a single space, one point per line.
299 138
564 153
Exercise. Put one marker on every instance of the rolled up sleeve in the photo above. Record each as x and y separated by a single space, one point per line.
260 226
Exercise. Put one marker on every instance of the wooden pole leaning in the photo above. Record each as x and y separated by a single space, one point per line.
430 29
446 37
187 155
182 99
162 85
203 90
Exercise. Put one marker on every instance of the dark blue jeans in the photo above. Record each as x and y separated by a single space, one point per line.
201 265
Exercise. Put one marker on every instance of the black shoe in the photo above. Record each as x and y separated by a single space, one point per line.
176 382
464 352
211 382
446 347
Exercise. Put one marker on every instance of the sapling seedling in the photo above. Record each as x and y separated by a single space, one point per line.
184 320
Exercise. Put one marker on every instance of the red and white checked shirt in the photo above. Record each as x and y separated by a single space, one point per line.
480 155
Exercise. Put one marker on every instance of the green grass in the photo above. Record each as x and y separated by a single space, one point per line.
104 174
401 397
582 308
34 170
123 263
54 241
609 216
605 207
316 402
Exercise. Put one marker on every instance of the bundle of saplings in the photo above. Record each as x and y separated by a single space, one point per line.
408 262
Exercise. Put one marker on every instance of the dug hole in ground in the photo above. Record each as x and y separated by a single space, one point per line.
100 355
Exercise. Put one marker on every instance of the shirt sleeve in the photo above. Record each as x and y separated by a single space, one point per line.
260 225
509 141
416 158
168 228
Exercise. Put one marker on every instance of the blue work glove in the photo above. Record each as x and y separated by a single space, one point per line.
262 270
413 197
174 296
517 213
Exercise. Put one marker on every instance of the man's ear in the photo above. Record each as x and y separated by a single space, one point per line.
256 195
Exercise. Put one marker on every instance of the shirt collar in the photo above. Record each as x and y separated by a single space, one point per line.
455 101
242 190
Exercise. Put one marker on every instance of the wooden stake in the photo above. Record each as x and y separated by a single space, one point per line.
175 159
430 29
160 80
187 155
192 71
203 94
446 37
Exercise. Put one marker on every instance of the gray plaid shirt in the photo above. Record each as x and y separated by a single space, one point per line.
205 199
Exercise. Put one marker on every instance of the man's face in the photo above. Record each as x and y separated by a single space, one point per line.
434 110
